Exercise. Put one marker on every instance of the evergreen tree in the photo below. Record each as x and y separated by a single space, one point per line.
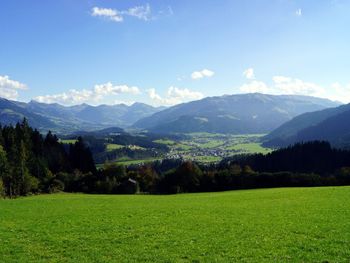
3 171
80 157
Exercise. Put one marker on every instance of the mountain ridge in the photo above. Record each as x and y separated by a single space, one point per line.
238 113
65 119
331 124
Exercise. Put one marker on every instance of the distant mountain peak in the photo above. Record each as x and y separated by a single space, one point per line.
67 119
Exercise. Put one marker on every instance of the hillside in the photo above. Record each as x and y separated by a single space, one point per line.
243 113
74 118
11 112
270 225
331 125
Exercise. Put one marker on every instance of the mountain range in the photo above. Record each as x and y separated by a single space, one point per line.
238 114
331 124
82 117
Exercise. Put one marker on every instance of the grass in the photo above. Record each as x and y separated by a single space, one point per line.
68 141
211 144
165 141
270 225
130 162
204 134
127 161
207 159
112 146
249 148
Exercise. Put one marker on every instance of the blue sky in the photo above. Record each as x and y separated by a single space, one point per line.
167 52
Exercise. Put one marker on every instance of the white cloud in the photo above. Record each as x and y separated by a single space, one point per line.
174 96
255 86
93 96
108 13
249 73
288 85
109 89
298 12
142 12
9 94
294 86
70 97
9 88
201 74
126 102
153 95
285 85
6 82
339 92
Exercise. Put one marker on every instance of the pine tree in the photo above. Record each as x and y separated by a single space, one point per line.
3 171
80 157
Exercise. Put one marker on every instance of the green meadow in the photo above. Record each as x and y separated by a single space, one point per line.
112 146
68 141
249 148
268 225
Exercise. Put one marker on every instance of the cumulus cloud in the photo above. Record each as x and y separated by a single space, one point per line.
109 89
294 86
285 85
202 74
95 95
288 85
9 88
142 12
249 73
255 86
107 13
340 92
126 102
174 96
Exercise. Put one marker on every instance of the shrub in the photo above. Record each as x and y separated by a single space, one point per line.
56 186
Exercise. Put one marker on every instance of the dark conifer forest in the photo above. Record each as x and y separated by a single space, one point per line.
31 163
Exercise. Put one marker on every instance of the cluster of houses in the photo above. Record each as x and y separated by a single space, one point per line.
197 152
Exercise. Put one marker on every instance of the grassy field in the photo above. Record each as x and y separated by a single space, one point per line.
249 148
208 159
270 225
165 141
130 162
72 141
127 161
112 146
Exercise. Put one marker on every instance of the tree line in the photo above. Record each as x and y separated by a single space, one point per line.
33 163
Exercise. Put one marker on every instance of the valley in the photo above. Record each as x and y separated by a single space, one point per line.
204 148
213 147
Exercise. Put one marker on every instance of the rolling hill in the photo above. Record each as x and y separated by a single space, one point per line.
238 114
332 125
